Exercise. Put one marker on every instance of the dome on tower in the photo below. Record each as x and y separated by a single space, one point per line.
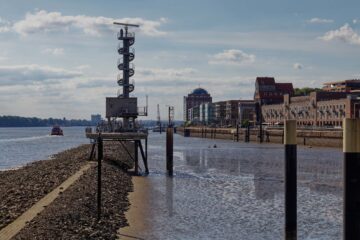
199 91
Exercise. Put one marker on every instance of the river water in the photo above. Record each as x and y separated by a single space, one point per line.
19 146
235 191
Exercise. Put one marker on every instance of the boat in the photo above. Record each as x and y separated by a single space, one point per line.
57 131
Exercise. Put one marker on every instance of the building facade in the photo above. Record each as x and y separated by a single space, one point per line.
267 91
247 111
342 86
206 111
220 112
232 112
195 98
317 109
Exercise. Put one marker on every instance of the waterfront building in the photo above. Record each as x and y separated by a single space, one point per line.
206 112
220 112
95 119
195 98
342 86
267 91
317 109
246 111
232 112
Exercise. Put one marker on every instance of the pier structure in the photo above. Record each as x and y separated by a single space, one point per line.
123 106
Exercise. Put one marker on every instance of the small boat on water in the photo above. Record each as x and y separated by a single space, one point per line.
56 130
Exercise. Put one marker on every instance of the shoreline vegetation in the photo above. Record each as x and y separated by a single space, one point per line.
73 214
16 121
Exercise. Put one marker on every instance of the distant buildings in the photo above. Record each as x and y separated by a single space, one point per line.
95 119
318 109
275 102
193 99
342 86
267 91
247 111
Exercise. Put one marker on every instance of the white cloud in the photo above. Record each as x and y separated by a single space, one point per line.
54 51
344 33
166 72
298 66
82 67
4 25
43 21
28 74
232 57
320 20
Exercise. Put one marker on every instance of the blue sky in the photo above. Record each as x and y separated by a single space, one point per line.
58 58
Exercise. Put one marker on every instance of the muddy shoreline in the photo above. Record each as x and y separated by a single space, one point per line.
73 214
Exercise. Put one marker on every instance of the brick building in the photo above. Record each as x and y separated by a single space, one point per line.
195 98
267 91
317 109
342 86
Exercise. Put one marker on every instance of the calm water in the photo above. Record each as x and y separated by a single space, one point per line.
235 191
19 146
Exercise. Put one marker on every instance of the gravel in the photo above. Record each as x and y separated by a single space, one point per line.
73 215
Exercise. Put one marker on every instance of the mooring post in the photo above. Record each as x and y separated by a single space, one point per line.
169 150
100 157
136 156
247 135
92 151
237 132
351 149
290 180
146 148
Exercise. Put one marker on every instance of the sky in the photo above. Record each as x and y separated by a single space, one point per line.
58 58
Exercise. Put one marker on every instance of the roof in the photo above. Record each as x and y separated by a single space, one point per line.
265 80
285 87
344 81
199 91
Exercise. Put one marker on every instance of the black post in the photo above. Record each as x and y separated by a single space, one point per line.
290 180
136 156
100 157
169 151
146 148
237 132
92 151
351 149
247 135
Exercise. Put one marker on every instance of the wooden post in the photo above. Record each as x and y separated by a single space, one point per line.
136 156
290 180
351 149
100 157
169 151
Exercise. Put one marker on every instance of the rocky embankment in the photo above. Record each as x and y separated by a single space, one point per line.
73 214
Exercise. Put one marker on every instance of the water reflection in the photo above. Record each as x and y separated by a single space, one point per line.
236 191
266 167
170 195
